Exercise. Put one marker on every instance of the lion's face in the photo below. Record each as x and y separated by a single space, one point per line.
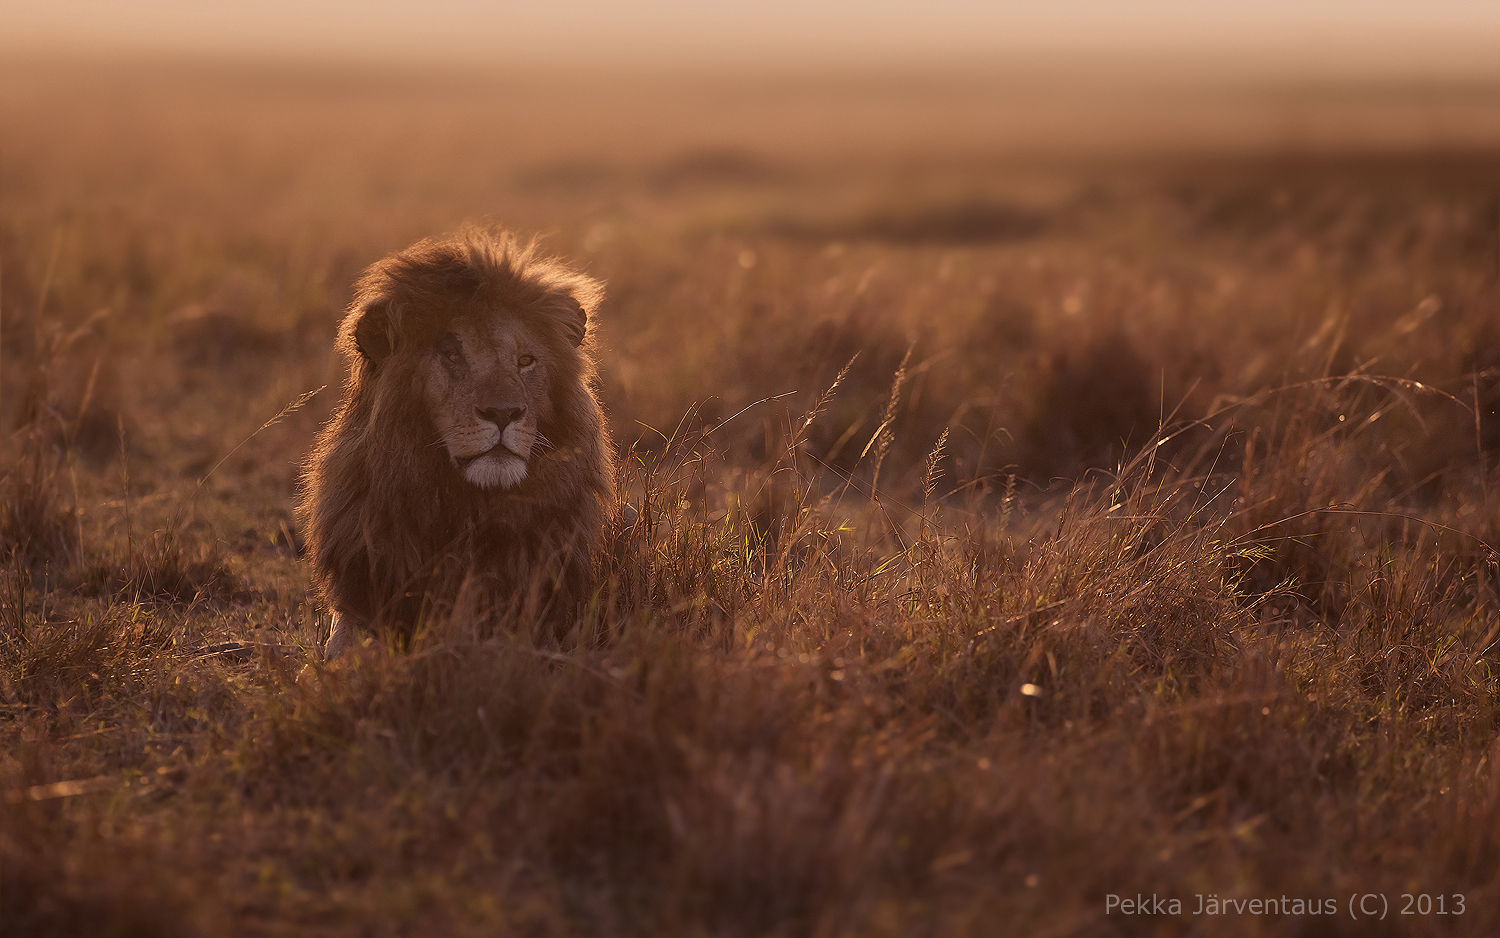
485 385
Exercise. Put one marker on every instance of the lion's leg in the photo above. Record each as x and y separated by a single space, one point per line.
340 638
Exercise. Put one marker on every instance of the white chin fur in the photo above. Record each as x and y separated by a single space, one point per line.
496 470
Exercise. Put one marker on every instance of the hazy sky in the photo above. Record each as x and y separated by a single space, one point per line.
1428 35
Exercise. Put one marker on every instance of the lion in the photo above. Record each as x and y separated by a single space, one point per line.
469 453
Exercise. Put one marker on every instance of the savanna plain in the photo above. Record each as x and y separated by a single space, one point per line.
1009 529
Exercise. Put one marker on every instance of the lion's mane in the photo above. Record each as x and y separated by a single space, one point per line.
391 528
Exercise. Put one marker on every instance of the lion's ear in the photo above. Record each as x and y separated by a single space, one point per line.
576 326
372 333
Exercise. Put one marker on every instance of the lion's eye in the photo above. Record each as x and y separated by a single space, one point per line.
526 361
448 347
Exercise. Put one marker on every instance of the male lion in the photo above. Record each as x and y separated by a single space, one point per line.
469 451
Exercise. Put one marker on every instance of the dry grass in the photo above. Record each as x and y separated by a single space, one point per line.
1007 537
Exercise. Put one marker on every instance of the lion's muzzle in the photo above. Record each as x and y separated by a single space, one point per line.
499 460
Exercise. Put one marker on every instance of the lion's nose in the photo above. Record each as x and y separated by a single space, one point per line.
502 416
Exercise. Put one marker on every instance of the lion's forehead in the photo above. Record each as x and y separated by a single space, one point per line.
497 335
